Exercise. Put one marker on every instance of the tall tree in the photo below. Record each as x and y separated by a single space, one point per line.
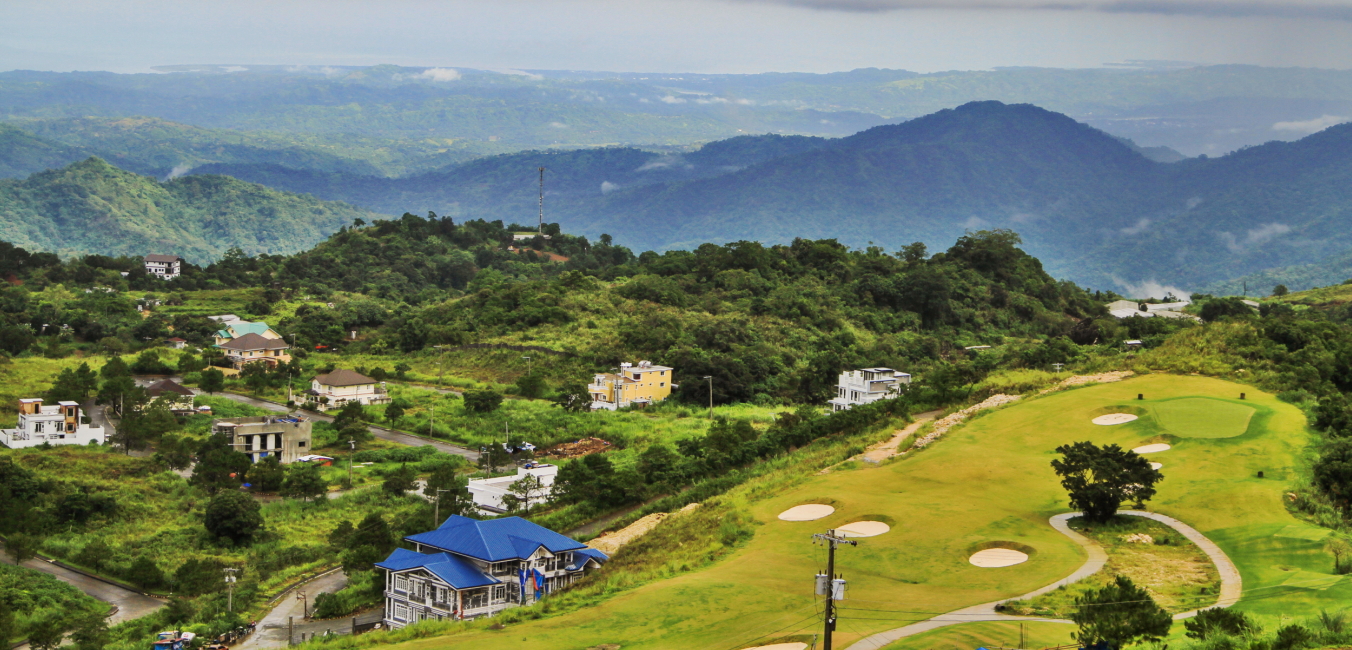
1118 615
1100 479
304 481
233 515
213 380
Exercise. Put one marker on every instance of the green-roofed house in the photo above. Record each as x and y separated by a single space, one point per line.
244 342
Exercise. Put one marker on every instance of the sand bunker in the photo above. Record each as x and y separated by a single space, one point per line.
863 529
806 512
1114 418
1150 449
997 557
781 646
1156 465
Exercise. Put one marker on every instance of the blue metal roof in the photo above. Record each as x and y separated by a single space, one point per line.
581 557
457 572
509 538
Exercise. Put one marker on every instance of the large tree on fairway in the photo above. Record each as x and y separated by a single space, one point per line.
1118 615
1099 479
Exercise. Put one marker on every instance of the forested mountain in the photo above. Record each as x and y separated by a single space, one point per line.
94 207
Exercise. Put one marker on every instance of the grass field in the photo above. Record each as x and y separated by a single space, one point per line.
1203 417
987 481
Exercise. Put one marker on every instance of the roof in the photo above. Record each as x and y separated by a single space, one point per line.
344 377
153 257
509 538
456 571
253 341
1167 306
1123 304
175 339
245 327
580 558
167 386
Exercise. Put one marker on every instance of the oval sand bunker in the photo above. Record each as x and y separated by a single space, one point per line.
1150 449
1156 465
993 558
863 529
1114 418
806 512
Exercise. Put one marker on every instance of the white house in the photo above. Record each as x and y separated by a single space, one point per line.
55 425
468 568
342 386
488 493
164 266
866 386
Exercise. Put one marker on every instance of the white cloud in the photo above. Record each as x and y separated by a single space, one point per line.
670 99
607 187
1310 126
1137 229
177 171
440 74
521 73
1149 289
975 223
558 125
1254 236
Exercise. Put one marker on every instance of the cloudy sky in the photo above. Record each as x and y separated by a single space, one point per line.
671 35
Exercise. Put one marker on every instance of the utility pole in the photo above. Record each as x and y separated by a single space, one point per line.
352 443
432 422
529 365
230 584
436 513
711 395
829 585
541 229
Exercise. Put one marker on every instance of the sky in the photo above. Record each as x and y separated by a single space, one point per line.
711 36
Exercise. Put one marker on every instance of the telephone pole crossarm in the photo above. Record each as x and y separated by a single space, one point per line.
829 585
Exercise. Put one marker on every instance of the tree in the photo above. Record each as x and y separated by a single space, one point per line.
90 631
482 401
1292 637
95 554
455 499
149 363
531 386
1218 620
1218 308
528 490
115 367
73 385
198 576
304 481
22 546
1333 472
351 413
399 481
395 410
660 466
8 626
1099 479
190 363
255 376
174 452
573 397
1118 615
46 633
233 515
371 542
219 466
145 573
267 474
1280 290
341 534
213 380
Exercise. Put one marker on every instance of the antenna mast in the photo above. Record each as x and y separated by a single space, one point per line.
542 202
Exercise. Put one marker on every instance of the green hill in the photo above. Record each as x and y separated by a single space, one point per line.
94 207
21 153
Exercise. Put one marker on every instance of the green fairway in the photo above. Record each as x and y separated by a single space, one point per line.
987 481
1203 417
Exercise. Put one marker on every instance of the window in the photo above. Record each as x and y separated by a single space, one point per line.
401 583
401 612
37 427
248 443
499 593
301 444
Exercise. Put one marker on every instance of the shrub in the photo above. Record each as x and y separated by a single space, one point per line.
1209 622
1292 637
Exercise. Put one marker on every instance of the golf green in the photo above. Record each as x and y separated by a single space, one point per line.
1203 417
988 480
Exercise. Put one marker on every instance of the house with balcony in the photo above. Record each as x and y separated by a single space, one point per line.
490 493
231 330
285 436
58 424
334 389
638 386
253 348
866 386
167 267
468 568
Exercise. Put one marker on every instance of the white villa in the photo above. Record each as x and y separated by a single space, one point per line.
164 266
866 386
488 493
342 386
468 568
55 425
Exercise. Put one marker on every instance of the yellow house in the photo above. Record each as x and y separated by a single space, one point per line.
636 386
240 328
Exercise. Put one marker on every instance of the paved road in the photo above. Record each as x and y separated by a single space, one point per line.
272 629
379 432
1231 585
130 604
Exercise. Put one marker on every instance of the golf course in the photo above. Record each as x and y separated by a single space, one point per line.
986 484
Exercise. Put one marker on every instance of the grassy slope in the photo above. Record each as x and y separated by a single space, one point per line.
990 480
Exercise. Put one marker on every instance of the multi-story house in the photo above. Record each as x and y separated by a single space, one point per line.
231 330
163 266
468 568
866 386
489 493
260 436
638 386
59 424
252 348
334 389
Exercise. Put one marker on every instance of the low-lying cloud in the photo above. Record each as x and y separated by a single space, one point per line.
1254 237
1216 8
1310 126
1149 289
177 171
440 74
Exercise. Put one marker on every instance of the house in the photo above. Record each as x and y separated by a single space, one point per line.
252 348
341 386
60 424
239 328
1134 344
468 568
226 319
866 386
638 386
527 236
179 398
489 493
260 436
164 266
177 343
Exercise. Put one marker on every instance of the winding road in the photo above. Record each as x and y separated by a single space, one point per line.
130 604
1231 584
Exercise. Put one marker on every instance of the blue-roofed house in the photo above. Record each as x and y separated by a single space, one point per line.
469 568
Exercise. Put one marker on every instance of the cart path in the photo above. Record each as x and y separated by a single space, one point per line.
1231 584
272 628
130 604
882 451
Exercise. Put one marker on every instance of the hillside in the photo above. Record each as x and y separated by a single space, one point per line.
94 207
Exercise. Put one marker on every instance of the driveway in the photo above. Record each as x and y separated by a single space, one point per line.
272 629
130 604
